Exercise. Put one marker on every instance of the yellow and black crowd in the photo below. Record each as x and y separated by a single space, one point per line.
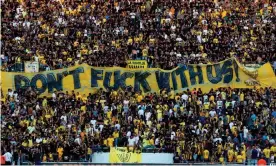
62 33
224 125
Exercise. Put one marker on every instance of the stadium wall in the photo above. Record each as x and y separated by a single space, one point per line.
147 158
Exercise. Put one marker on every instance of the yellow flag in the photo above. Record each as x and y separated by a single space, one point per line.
121 155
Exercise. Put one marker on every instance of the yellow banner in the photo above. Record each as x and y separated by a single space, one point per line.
121 155
137 64
87 79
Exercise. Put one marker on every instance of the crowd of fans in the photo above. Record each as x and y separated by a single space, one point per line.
62 33
224 125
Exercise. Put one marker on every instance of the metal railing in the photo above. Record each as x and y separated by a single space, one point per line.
19 67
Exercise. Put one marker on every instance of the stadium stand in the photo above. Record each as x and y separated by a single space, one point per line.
224 125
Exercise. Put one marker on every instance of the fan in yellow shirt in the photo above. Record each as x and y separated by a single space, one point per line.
240 158
139 98
266 152
273 149
206 155
60 153
221 159
230 155
159 115
110 141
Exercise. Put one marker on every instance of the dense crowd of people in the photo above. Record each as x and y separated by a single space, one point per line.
62 33
224 125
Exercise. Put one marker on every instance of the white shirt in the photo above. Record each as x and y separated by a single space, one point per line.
233 103
128 134
185 97
212 113
231 124
136 139
141 112
64 117
132 15
105 108
131 141
245 133
126 102
38 140
93 122
173 27
54 96
205 98
173 135
101 127
157 141
78 141
10 93
118 126
8 156
219 104
217 139
148 115
31 129
37 107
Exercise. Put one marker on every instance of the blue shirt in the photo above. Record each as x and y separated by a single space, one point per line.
254 154
274 114
253 117
264 137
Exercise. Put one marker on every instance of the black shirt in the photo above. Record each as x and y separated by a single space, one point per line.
176 159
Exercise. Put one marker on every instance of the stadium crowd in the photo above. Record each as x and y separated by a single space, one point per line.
223 125
62 33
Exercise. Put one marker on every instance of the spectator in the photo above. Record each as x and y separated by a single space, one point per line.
107 33
8 157
254 156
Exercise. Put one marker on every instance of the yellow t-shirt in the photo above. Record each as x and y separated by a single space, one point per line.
221 159
139 98
230 155
108 114
212 98
243 153
159 114
239 158
25 144
206 105
60 151
130 41
242 96
83 108
145 52
266 152
30 143
206 154
219 149
105 142
273 149
110 142
89 151
151 142
115 134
